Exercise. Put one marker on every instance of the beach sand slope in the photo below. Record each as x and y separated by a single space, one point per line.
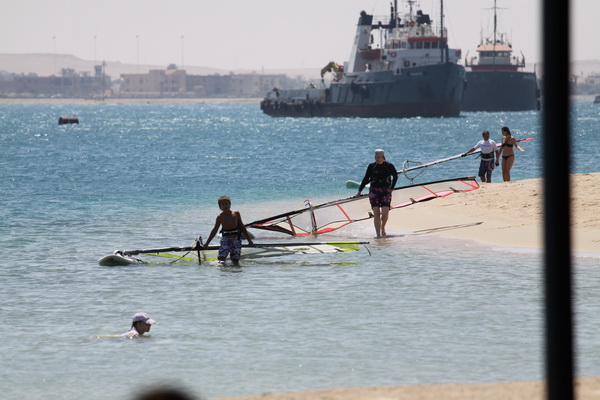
585 389
507 214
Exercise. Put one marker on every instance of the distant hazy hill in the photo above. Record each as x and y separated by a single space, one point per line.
585 67
49 64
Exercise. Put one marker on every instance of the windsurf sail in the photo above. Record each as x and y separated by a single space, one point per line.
210 253
330 216
406 168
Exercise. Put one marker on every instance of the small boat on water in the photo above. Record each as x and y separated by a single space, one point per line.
398 68
68 120
597 100
495 80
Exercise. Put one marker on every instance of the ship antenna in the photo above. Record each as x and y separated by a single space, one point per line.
502 39
393 15
495 22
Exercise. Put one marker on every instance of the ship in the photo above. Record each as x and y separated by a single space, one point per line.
496 80
411 72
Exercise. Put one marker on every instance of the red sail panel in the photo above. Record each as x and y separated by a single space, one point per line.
428 191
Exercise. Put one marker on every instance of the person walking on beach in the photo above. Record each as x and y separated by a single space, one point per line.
488 149
231 232
140 324
507 152
382 177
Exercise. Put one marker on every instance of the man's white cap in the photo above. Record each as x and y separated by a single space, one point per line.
143 317
379 152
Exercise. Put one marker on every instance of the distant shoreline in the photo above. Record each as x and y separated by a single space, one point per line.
125 101
164 100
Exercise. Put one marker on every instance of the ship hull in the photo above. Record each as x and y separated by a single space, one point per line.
427 91
500 91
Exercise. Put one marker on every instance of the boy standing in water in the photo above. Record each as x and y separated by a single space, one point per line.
231 232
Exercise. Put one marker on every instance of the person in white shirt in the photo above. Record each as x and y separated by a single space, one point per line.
489 156
140 324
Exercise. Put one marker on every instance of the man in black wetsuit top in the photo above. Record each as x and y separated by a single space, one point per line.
382 177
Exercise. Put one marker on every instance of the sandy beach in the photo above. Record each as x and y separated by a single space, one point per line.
585 389
506 215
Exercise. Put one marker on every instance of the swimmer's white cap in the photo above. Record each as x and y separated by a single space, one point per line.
143 317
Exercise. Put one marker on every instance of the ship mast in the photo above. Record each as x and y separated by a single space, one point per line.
410 9
494 45
444 45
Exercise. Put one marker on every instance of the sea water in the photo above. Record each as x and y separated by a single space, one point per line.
414 309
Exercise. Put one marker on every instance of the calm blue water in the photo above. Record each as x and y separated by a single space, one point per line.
420 309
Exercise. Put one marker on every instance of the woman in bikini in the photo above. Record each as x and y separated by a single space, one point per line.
507 152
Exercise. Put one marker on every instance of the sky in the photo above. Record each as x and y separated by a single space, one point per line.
258 34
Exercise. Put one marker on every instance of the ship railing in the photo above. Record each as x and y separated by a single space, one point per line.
299 95
380 19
